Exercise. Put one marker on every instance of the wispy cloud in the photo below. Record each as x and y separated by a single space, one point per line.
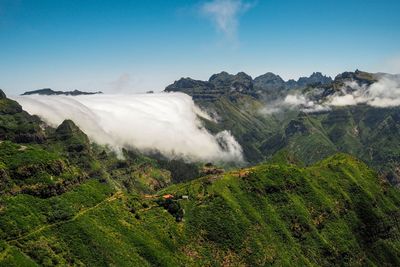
121 84
225 15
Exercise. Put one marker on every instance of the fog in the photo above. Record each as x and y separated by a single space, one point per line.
294 102
383 93
165 122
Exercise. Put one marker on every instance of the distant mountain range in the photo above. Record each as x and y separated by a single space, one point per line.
65 201
48 91
304 200
224 83
240 103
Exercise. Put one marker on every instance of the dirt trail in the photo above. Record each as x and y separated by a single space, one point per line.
82 212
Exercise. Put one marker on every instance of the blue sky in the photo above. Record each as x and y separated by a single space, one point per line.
134 46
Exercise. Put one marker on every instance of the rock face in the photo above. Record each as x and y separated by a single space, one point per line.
48 91
223 83
221 79
269 81
219 84
188 83
195 88
359 76
240 82
315 79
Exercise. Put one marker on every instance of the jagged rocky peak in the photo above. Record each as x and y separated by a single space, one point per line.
187 83
317 78
221 79
242 82
224 83
361 77
291 84
224 79
242 76
219 84
269 80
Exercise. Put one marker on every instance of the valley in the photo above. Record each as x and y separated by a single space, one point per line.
303 197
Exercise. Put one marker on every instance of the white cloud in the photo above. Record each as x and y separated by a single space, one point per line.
167 122
383 93
302 101
345 100
225 14
294 101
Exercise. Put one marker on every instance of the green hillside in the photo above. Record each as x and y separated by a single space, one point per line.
371 134
238 104
68 202
333 213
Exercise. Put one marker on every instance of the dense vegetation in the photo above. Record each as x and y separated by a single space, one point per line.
239 104
67 202
335 212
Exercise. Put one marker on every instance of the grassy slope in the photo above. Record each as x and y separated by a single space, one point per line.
242 117
371 134
334 212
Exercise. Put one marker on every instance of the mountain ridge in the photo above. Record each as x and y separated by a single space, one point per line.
65 201
309 136
224 83
48 91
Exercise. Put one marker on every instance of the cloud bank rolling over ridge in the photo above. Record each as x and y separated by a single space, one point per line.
383 94
164 122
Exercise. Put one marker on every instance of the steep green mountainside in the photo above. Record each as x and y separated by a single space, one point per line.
67 202
371 134
64 156
41 161
16 124
240 116
336 212
238 104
